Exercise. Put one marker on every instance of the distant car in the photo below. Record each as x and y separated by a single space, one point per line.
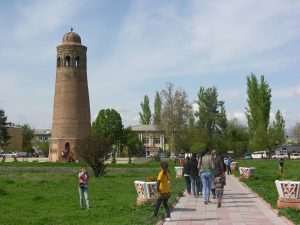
295 156
280 156
181 154
22 154
9 154
260 155
162 155
248 156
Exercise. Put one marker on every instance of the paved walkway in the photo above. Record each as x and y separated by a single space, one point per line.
239 207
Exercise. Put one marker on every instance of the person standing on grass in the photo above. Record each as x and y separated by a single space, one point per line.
281 165
163 188
83 187
194 175
228 163
205 172
186 174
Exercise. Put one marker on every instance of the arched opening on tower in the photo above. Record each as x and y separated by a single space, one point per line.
66 150
77 62
58 62
67 61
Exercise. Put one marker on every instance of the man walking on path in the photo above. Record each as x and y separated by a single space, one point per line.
240 206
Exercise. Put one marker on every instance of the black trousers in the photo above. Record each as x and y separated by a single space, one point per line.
163 198
228 170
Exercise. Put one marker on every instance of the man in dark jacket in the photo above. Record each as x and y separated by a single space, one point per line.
186 174
195 179
217 168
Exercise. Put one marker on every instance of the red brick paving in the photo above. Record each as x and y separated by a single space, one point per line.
239 207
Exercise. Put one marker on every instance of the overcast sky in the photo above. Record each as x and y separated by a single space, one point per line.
136 47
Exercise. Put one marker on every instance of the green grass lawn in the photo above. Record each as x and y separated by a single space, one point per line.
39 197
267 171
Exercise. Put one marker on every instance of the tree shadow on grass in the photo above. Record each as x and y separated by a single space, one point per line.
2 192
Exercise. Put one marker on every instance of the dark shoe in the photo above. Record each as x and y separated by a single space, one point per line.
219 205
205 202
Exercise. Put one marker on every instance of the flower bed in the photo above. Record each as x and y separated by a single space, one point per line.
179 172
247 172
147 192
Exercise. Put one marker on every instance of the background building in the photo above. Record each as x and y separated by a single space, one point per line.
152 137
15 143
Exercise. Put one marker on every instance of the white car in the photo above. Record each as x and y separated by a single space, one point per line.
9 154
280 156
295 156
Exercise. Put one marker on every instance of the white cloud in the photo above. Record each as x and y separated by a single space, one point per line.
296 91
286 92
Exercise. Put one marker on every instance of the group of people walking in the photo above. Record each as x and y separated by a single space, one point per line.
205 175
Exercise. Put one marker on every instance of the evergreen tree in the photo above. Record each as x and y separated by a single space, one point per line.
28 135
276 131
4 137
157 109
145 115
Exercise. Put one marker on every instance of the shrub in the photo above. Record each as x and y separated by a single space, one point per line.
94 150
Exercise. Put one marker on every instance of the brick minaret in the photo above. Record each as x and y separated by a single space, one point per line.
71 112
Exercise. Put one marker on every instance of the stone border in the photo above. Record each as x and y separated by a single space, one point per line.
276 211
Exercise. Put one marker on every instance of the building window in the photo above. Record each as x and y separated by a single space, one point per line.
77 62
157 140
67 62
145 141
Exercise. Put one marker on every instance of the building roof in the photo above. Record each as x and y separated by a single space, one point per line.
145 127
42 131
71 38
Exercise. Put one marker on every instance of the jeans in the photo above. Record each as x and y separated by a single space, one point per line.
83 191
196 185
188 184
200 185
163 198
206 178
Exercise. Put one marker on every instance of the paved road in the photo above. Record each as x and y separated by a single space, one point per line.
240 207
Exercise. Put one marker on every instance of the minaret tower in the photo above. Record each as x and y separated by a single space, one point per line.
71 112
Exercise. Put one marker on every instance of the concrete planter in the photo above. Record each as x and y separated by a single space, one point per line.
289 194
147 192
179 172
247 172
234 166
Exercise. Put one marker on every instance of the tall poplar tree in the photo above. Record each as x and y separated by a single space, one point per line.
258 112
157 109
145 115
